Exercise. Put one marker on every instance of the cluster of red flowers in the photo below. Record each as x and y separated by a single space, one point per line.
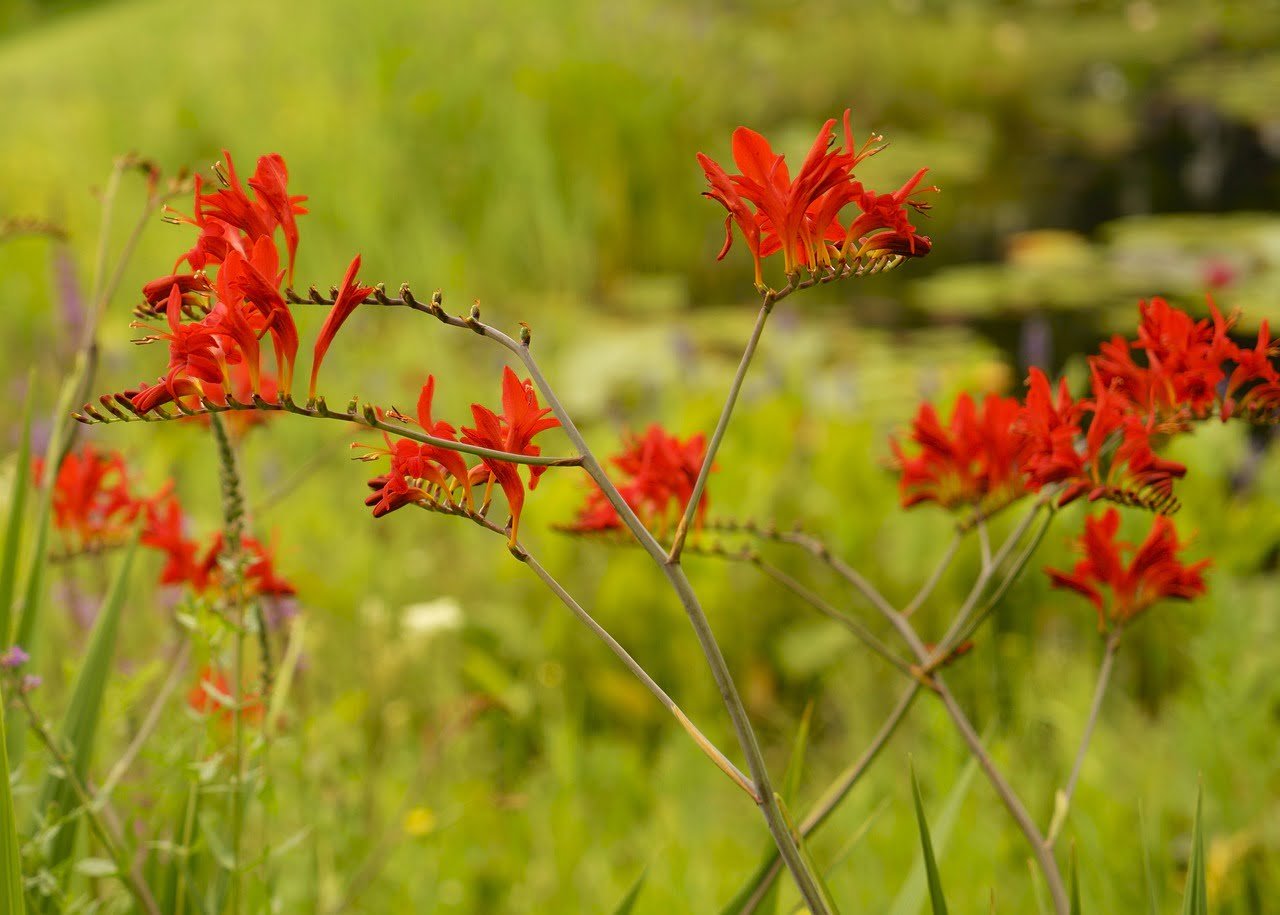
218 313
429 475
1102 446
93 499
95 505
1121 591
801 217
659 473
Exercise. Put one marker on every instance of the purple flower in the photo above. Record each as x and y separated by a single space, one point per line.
31 681
14 658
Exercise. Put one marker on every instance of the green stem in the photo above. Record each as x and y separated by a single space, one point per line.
317 410
726 413
233 535
110 841
1063 804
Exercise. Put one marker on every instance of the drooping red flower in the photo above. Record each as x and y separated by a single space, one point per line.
513 431
972 462
659 471
1121 590
420 473
349 296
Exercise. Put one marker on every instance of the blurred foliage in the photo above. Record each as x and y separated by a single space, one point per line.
540 157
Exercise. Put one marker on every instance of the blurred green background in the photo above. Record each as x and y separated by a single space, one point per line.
538 157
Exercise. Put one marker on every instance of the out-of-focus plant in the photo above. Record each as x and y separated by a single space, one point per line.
233 298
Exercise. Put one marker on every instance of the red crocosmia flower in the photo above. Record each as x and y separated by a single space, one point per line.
92 499
195 356
1120 591
420 473
157 291
973 461
659 472
1184 364
212 695
1114 459
165 531
392 490
349 296
270 180
797 217
888 212
256 280
230 221
522 418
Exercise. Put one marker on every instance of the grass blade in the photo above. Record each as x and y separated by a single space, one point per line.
629 901
13 528
911 897
11 901
33 591
1153 901
1075 882
84 711
769 855
1195 899
937 900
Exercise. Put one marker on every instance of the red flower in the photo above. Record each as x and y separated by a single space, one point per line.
974 461
230 221
212 695
513 431
1112 460
1183 363
659 475
1120 591
349 296
195 357
800 217
426 465
92 500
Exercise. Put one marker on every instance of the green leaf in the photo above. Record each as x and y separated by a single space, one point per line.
1075 882
795 766
629 901
769 855
910 898
11 901
84 711
937 899
1152 899
13 529
1195 898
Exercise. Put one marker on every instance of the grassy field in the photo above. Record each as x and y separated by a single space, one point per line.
539 158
